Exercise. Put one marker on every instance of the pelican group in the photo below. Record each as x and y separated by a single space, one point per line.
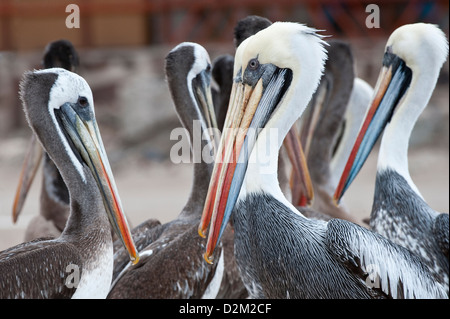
279 252
188 72
252 226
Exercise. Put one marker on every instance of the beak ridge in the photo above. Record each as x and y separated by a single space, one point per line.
86 138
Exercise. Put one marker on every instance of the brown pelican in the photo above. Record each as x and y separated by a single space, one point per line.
279 252
188 73
54 199
60 110
412 60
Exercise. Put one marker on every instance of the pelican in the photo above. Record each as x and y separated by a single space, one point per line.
413 57
54 199
279 252
188 73
59 107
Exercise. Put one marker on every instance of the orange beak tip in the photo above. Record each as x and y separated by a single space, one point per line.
201 232
335 201
209 259
135 260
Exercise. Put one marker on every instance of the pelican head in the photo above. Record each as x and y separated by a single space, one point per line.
59 107
414 55
193 62
276 72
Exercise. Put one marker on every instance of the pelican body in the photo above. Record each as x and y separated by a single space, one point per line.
281 253
59 108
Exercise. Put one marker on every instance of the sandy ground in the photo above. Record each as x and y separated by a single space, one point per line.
160 189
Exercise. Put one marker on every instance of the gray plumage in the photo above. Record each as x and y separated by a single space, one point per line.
403 217
284 255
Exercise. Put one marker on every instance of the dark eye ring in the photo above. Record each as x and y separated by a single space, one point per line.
82 101
253 64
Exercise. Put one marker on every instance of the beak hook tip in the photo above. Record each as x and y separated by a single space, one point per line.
135 260
335 201
201 232
209 259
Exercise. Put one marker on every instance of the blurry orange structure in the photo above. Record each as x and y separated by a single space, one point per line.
30 24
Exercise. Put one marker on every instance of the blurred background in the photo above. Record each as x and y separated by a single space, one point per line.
122 45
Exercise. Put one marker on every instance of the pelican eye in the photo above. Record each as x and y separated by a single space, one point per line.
253 64
83 102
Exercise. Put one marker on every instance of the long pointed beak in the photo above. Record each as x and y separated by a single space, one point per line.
250 109
301 184
393 81
86 138
202 92
235 98
204 97
30 165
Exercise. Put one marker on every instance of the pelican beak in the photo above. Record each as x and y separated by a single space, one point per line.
393 81
201 85
301 185
80 127
30 165
252 102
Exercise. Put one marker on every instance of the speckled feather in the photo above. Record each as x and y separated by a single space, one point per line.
399 214
19 274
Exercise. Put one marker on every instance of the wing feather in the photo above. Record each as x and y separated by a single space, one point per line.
381 263
38 270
